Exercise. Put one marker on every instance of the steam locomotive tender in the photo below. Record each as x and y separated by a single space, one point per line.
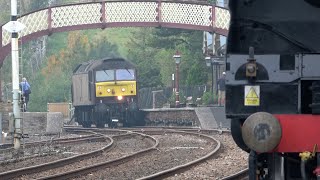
273 86
104 93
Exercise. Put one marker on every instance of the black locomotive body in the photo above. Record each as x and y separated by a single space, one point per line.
273 86
105 93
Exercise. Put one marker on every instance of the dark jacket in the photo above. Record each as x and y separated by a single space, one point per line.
222 83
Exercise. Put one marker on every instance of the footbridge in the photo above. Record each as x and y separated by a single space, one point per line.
111 14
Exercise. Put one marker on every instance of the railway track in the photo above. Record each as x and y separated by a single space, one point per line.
159 160
121 155
47 169
223 165
9 147
57 163
52 147
180 168
241 175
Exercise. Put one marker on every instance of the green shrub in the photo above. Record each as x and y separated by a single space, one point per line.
182 98
208 98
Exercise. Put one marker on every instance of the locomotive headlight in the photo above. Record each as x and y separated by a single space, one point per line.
123 89
120 98
108 90
251 69
99 87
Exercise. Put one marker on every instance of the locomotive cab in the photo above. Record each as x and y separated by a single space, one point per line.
105 93
116 92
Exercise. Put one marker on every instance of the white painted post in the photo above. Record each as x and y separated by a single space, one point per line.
1 129
15 77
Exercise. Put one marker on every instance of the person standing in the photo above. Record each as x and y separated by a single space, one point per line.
222 89
25 90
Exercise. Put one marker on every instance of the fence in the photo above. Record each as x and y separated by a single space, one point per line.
165 96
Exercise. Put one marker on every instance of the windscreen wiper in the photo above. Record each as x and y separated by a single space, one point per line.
106 72
129 71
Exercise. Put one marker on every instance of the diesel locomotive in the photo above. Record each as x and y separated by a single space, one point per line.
105 93
273 86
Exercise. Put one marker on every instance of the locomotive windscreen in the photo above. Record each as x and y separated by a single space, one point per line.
274 26
105 75
125 74
112 75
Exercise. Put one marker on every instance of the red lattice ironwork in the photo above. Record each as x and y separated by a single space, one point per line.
119 14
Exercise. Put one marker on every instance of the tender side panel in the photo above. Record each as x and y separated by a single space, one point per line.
118 88
81 91
274 98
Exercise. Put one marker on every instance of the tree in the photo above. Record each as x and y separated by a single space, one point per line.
102 48
142 55
196 75
53 84
189 43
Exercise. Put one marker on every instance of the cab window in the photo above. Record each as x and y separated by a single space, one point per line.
105 75
125 74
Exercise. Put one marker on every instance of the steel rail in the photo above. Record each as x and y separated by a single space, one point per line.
243 174
95 167
165 173
185 166
42 167
59 140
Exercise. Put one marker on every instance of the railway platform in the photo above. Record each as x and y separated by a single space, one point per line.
204 117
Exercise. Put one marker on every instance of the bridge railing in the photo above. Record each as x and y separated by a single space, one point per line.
170 14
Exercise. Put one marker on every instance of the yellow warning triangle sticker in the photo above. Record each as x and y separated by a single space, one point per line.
252 93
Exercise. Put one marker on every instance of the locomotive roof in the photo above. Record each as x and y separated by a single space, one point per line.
106 63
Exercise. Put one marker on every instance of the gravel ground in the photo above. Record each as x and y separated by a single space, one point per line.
174 150
229 161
